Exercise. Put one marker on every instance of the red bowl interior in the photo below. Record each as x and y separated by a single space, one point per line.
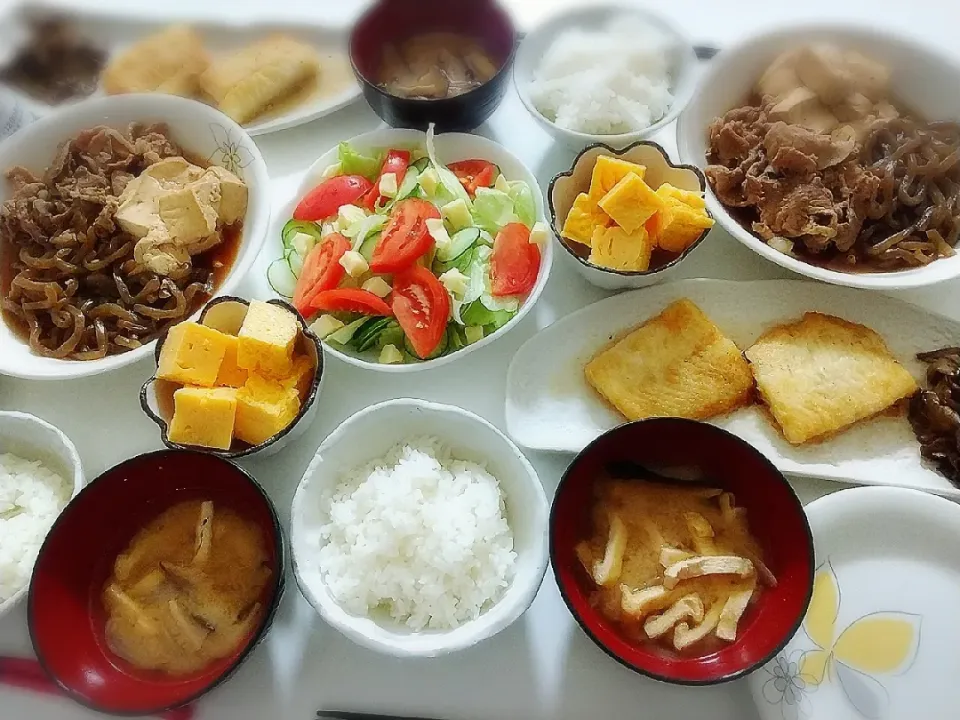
390 21
66 615
776 519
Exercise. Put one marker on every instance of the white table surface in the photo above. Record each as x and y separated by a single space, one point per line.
543 666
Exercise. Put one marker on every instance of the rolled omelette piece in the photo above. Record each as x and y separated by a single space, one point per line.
169 61
246 83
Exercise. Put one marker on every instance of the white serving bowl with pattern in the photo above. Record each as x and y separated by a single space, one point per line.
202 131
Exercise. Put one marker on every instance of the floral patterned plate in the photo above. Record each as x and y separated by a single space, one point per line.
880 636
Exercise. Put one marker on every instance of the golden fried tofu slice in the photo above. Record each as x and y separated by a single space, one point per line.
170 61
583 220
677 364
822 374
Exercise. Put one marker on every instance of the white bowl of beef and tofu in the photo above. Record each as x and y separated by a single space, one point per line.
148 206
832 151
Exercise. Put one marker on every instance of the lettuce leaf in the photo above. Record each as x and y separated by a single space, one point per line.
353 162
492 209
523 202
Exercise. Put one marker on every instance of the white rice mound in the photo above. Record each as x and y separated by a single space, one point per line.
607 81
31 498
419 535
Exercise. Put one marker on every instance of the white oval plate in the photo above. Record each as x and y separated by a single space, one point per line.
550 406
879 638
114 30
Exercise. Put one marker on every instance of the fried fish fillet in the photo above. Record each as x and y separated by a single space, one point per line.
169 61
822 374
676 364
246 83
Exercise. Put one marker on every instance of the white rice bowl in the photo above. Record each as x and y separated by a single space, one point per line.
31 497
419 529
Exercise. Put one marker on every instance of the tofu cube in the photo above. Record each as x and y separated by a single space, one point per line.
617 249
186 217
233 195
231 374
608 171
584 217
264 408
631 203
203 417
266 340
192 355
680 225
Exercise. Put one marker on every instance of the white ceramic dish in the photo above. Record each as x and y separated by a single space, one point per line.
550 406
565 187
116 29
202 131
535 44
879 636
31 438
918 72
369 434
226 314
450 147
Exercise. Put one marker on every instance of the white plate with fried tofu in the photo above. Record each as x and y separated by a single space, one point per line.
831 373
265 76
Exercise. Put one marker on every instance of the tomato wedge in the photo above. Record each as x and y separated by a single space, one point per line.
422 307
329 196
405 237
396 162
349 300
321 270
474 174
515 263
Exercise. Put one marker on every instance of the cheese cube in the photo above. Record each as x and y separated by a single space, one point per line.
456 214
378 286
631 203
354 263
349 215
681 226
266 339
455 282
540 235
388 185
429 180
231 374
264 408
325 325
203 417
438 232
584 217
390 355
608 171
687 197
617 249
192 354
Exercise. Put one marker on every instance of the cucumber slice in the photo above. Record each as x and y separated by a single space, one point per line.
461 263
367 335
476 313
290 230
438 351
454 341
421 164
295 261
346 333
408 185
459 244
281 278
390 335
368 246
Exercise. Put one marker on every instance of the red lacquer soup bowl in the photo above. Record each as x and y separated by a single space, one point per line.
65 610
689 449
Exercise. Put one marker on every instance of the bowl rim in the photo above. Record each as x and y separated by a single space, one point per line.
546 253
79 482
468 96
150 384
529 585
910 278
276 594
619 154
560 21
777 476
146 104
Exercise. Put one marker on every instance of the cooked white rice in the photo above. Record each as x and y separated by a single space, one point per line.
420 535
607 81
31 497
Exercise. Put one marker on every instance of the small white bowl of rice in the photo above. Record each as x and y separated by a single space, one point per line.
419 529
605 73
40 472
